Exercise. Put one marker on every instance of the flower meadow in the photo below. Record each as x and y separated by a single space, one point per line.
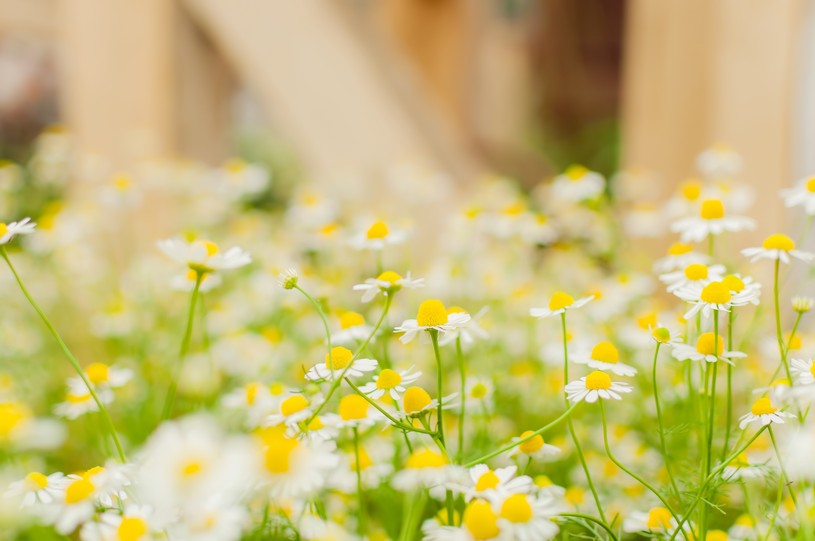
196 353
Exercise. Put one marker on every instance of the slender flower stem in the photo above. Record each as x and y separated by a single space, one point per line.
463 375
593 520
711 414
781 349
357 467
169 401
434 337
70 356
661 428
575 440
639 479
781 469
387 415
518 442
729 410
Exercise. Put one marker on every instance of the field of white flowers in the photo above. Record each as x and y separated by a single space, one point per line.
291 364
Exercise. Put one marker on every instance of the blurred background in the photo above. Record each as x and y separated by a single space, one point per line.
340 90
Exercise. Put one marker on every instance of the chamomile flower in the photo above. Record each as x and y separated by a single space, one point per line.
707 349
78 401
716 295
577 184
559 303
657 519
523 517
803 370
424 468
533 446
416 402
605 356
352 329
77 505
479 393
803 195
203 256
712 220
340 362
764 412
390 381
431 316
102 376
666 336
186 281
494 485
253 398
387 283
595 386
478 523
777 247
10 230
742 468
293 408
131 525
679 256
719 161
37 488
469 332
377 236
288 278
695 273
802 305
295 468
355 411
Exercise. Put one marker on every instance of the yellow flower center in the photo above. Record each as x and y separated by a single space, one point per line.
235 165
811 185
745 520
716 293
712 209
543 481
11 415
353 407
716 535
457 310
131 529
480 520
3 229
605 352
425 458
37 480
365 461
379 230
679 248
812 369
516 509
388 379
121 182
389 276
415 399
192 468
647 321
431 313
279 454
707 342
794 342
78 491
598 380
339 358
576 172
77 398
480 390
351 319
293 404
251 391
662 335
316 424
691 190
211 247
658 518
733 283
575 495
97 373
531 445
763 406
515 209
779 242
487 481
696 271
560 300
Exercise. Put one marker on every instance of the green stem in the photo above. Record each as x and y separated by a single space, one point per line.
390 417
778 331
711 414
463 375
70 356
434 337
169 401
361 518
661 424
781 467
593 520
729 410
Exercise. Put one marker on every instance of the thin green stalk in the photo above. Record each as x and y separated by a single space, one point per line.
434 337
169 401
390 417
729 410
593 520
70 356
361 517
778 331
711 415
661 424
781 467
463 375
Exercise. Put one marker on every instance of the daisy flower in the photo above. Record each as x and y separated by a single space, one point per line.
605 356
468 332
803 194
534 447
432 315
741 468
802 305
711 221
186 282
424 468
495 484
388 283
203 256
37 488
559 303
577 184
377 236
288 278
294 468
78 401
666 336
679 256
523 517
391 382
355 411
340 363
479 392
478 523
114 526
595 386
764 412
695 273
255 399
77 504
777 247
293 409
352 329
657 519
11 230
417 402
804 371
718 296
719 161
102 376
705 350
